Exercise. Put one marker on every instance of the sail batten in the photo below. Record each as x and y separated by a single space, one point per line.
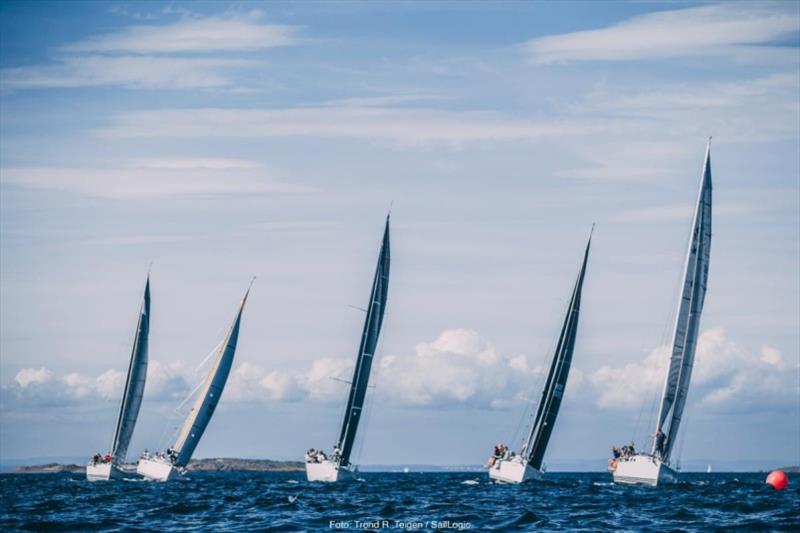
134 383
552 394
209 396
369 341
687 320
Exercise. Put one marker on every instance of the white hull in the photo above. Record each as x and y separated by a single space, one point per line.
103 472
513 471
328 471
156 469
642 469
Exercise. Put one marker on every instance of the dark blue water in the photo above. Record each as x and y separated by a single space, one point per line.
394 502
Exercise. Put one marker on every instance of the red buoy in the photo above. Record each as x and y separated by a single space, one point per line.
778 479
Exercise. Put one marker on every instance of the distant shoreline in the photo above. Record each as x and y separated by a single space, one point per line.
221 464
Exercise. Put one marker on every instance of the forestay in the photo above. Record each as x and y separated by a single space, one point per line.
134 383
209 395
366 351
553 392
687 322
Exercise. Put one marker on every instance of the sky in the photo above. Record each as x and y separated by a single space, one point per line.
220 141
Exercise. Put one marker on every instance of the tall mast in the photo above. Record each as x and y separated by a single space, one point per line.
366 351
687 320
134 382
542 428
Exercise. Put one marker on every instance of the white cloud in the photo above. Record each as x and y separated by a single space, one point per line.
136 72
154 177
725 375
39 387
29 376
138 57
398 125
721 29
321 382
457 367
218 33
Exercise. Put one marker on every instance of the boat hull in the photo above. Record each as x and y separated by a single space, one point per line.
156 470
513 471
328 472
103 472
642 469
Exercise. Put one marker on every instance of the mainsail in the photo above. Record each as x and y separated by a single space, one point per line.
366 351
552 394
687 321
134 384
209 395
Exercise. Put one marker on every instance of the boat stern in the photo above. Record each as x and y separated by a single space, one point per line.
642 469
100 471
156 469
513 471
326 471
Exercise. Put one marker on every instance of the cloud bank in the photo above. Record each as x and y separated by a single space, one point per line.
721 29
152 177
190 53
457 368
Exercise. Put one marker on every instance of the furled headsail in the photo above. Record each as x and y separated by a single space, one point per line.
366 351
542 428
687 321
134 383
209 394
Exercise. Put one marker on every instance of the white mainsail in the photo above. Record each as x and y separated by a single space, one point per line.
134 384
209 395
687 321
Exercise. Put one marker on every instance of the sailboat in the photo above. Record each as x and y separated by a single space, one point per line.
527 464
169 464
654 467
318 466
105 467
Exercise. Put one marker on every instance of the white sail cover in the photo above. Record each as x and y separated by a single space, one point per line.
134 384
209 395
687 322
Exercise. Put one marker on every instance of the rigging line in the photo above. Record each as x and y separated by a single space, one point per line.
681 440
176 410
215 350
523 415
639 418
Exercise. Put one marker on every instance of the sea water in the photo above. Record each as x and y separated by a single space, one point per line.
240 501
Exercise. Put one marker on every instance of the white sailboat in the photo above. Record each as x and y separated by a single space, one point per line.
527 464
104 467
169 464
319 467
654 467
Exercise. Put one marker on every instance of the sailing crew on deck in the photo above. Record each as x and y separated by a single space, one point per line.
336 454
320 456
660 440
616 452
311 455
